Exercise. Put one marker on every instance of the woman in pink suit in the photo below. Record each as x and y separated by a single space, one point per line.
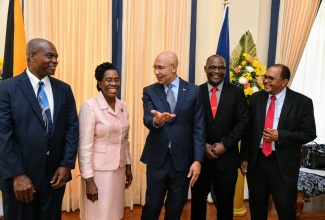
104 153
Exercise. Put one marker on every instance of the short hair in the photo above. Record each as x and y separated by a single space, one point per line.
33 46
101 69
285 72
216 56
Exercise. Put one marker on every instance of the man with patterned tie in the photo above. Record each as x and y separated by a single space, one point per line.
38 137
281 122
174 148
226 119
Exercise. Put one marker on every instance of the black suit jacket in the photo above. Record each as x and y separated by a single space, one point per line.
229 125
185 131
296 127
23 145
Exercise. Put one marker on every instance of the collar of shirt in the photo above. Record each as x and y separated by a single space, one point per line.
34 81
279 98
47 88
175 86
220 86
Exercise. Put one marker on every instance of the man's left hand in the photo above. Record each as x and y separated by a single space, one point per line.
60 177
270 134
195 171
218 149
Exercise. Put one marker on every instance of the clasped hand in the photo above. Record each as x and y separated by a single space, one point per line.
214 151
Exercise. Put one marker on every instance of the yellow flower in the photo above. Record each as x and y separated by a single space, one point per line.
248 74
1 66
255 63
248 91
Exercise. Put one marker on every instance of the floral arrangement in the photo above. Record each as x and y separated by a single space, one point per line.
1 66
246 70
248 74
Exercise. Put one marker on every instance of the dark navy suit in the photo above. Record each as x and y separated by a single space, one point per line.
186 133
23 145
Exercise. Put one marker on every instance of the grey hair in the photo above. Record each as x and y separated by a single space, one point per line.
33 46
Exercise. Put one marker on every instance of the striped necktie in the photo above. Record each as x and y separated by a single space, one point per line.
44 104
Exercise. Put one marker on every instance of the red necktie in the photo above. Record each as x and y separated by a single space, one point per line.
267 145
213 101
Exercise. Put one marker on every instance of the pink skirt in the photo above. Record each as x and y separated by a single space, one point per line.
110 203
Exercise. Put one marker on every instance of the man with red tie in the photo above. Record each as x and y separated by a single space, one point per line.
226 119
281 121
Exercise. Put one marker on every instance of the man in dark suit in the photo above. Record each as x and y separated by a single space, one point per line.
224 128
271 153
37 150
174 148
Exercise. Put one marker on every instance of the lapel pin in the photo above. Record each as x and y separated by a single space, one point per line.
184 89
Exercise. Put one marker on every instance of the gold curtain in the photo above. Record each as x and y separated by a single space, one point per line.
296 20
82 36
149 27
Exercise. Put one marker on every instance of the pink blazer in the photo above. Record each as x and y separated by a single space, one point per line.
103 139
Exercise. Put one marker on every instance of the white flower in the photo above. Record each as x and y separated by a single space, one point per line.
249 69
255 89
242 80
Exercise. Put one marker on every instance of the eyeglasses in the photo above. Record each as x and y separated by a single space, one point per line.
161 68
270 78
219 68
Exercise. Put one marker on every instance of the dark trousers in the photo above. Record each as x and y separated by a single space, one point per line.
266 179
224 190
163 182
46 205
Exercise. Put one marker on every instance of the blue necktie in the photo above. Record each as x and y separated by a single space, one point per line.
44 104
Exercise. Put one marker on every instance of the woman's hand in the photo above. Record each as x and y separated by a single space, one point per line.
91 189
128 176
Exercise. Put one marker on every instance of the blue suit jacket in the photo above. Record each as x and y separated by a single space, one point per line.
23 145
186 131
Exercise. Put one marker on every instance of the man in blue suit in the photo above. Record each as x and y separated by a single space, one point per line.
36 155
174 148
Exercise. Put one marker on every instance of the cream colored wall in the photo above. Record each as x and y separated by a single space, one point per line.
3 24
252 15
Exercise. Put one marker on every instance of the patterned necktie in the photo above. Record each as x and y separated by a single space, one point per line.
213 101
44 104
171 98
267 145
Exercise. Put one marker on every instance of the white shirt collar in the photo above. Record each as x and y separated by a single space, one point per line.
34 80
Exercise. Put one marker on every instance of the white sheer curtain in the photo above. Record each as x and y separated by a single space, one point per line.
310 75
